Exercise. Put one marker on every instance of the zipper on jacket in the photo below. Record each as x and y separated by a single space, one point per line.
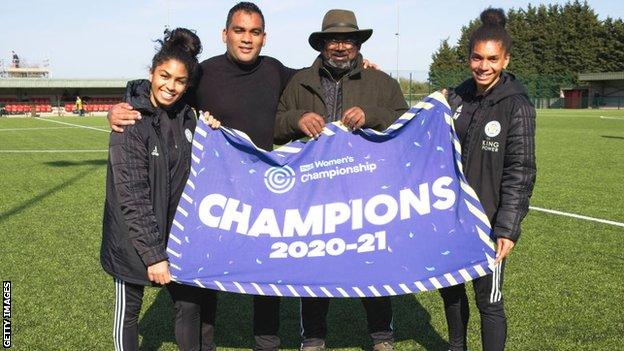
335 94
168 185
336 101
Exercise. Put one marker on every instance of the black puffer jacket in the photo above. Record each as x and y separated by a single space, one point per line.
137 211
498 150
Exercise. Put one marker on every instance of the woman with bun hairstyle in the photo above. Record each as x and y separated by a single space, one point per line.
495 123
148 166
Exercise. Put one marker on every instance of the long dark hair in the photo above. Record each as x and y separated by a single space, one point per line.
181 44
492 28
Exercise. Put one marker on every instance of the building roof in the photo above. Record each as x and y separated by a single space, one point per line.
62 83
27 69
589 77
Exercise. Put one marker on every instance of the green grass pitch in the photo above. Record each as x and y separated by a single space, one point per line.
564 285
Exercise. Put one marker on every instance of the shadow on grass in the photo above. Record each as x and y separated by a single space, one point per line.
156 326
26 204
100 162
612 137
346 323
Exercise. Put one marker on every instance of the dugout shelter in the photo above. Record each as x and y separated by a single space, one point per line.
603 90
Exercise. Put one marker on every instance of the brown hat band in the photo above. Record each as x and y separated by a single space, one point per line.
340 24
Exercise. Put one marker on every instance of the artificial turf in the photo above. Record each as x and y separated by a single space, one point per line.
563 286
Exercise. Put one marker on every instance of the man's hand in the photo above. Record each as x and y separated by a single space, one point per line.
121 115
353 118
503 248
159 272
367 64
311 124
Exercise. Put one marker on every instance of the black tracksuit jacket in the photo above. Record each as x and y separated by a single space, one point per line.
498 150
140 203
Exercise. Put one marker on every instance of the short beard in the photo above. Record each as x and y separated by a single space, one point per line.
339 64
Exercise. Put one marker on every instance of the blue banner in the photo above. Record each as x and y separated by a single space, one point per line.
361 213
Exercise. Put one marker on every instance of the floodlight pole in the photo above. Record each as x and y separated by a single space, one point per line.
398 40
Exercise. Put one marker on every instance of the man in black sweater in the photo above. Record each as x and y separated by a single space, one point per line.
242 90
242 94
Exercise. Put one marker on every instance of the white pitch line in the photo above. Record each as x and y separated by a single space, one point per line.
73 125
47 151
573 215
39 128
619 118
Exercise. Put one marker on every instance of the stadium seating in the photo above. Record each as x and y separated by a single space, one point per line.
13 106
25 108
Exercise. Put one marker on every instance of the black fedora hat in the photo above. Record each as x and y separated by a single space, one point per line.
338 22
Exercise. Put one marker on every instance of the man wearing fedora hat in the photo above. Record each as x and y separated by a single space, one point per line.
337 88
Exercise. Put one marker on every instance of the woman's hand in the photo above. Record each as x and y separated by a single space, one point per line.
159 273
210 120
503 248
444 92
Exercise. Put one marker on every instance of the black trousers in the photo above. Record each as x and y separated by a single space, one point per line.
266 318
128 301
489 300
314 319
195 311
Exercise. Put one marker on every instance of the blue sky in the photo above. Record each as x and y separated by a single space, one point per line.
113 39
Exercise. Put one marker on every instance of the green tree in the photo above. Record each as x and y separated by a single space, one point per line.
551 45
611 57
524 62
446 69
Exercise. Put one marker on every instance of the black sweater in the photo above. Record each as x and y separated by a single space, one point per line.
243 97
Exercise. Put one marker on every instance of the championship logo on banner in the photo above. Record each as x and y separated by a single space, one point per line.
351 214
